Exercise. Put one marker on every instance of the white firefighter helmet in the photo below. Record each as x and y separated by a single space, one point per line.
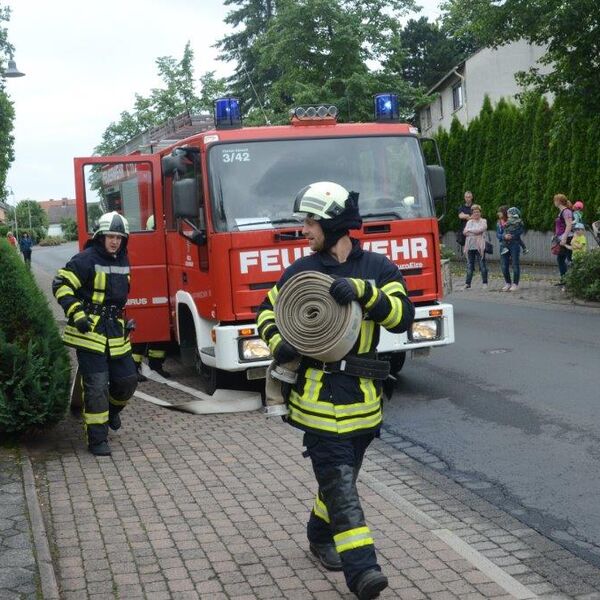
112 223
321 200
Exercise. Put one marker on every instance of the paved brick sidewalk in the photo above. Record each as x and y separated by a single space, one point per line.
215 507
18 571
538 291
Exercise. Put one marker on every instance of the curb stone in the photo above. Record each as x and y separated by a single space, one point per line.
42 549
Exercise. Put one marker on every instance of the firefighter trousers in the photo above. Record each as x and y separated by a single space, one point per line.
155 351
337 516
108 383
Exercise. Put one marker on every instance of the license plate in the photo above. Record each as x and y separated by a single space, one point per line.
420 352
256 373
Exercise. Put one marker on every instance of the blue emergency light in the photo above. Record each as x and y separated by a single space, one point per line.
228 114
386 107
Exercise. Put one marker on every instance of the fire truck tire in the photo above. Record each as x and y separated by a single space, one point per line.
212 378
397 361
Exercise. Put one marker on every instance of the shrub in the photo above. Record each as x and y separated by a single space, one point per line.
52 241
34 364
447 252
583 278
69 227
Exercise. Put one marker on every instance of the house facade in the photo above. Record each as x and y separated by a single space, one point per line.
57 210
490 71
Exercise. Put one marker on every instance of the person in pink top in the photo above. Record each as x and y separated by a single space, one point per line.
563 233
12 240
475 237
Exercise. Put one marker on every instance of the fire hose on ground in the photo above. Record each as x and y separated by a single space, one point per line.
309 319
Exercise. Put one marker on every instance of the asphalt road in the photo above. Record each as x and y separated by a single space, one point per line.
512 411
51 258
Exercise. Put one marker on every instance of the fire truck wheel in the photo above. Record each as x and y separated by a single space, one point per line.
212 378
397 361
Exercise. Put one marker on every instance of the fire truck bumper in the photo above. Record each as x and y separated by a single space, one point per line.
433 326
239 348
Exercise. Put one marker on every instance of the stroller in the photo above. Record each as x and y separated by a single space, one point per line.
596 231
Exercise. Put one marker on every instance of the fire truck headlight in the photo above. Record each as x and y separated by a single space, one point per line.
424 330
254 349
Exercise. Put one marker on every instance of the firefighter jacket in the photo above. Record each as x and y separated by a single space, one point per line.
95 283
336 404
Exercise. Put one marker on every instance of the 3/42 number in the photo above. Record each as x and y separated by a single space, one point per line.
230 157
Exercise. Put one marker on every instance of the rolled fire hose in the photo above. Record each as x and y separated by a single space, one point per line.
309 319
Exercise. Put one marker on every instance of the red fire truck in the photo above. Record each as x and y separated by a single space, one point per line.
212 226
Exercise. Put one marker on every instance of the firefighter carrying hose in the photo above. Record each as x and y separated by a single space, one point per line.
340 413
92 289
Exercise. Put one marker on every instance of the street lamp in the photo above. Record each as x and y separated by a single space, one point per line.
12 70
11 193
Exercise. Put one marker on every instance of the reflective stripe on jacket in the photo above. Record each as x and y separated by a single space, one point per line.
95 279
334 404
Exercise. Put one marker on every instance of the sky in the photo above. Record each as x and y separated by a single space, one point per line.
84 62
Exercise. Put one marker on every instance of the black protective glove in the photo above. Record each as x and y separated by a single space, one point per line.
346 289
285 353
343 291
129 327
84 324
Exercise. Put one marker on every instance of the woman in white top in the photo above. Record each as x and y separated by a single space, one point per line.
475 237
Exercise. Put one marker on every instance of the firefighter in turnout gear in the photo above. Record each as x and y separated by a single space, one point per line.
339 413
92 289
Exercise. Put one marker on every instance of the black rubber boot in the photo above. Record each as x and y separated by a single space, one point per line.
157 367
114 421
369 584
327 555
141 378
101 449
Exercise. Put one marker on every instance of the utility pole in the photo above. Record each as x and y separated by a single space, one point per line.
11 193
29 209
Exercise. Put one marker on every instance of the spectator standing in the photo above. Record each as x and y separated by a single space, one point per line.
475 238
12 240
509 230
464 214
563 226
26 243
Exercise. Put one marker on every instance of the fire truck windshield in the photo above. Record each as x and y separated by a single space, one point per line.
253 184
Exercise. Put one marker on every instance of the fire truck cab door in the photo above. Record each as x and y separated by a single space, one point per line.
131 185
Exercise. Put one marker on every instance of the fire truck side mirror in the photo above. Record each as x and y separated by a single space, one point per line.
437 182
185 199
174 163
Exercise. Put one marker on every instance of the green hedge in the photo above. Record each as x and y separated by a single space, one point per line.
34 364
583 277
522 156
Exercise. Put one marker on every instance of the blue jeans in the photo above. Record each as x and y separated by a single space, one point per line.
472 256
514 253
563 259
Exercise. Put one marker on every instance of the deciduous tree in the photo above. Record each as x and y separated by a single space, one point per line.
428 52
292 52
570 31
7 112
178 95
